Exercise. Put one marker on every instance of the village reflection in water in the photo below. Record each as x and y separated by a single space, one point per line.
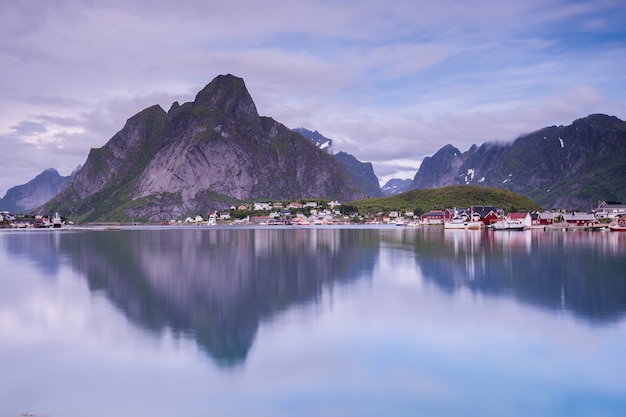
218 284
580 272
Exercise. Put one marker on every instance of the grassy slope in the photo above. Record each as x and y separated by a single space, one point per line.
423 200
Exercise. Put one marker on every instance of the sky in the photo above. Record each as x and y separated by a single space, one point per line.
389 82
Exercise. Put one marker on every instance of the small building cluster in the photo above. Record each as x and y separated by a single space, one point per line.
321 213
263 213
23 222
489 215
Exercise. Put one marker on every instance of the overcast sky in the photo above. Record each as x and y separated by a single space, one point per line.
389 82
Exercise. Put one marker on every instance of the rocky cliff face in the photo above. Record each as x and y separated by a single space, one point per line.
362 173
439 170
26 197
201 156
560 166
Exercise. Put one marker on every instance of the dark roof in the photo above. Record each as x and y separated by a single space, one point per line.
483 211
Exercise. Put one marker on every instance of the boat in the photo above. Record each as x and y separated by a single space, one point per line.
619 225
508 224
459 223
56 221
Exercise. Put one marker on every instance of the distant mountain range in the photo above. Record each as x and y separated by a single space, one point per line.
571 166
200 156
317 138
27 197
396 186
215 151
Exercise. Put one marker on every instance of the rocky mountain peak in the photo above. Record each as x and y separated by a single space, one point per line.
24 198
362 173
226 96
129 139
440 169
322 142
396 186
200 156
600 120
447 151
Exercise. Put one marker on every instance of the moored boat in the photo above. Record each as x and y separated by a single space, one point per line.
459 223
619 225
56 221
507 224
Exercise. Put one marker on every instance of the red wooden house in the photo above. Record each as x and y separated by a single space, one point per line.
486 214
433 217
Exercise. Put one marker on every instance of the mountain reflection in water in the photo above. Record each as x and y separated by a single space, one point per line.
218 284
581 272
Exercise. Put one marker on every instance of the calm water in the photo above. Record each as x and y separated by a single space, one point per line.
312 322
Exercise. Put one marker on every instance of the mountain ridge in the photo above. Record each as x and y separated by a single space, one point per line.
572 166
197 157
396 186
362 173
217 150
26 197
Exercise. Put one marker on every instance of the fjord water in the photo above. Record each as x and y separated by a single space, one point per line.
312 321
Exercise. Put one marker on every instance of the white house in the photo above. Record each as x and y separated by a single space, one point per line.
262 206
610 210
524 217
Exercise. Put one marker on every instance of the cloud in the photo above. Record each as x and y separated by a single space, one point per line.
28 128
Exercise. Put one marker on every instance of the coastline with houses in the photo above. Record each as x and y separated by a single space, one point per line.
607 216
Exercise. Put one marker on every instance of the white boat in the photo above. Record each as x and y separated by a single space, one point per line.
459 223
619 225
508 224
56 221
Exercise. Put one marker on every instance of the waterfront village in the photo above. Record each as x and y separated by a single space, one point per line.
607 216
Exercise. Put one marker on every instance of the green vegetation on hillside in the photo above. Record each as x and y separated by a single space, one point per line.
108 205
426 199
